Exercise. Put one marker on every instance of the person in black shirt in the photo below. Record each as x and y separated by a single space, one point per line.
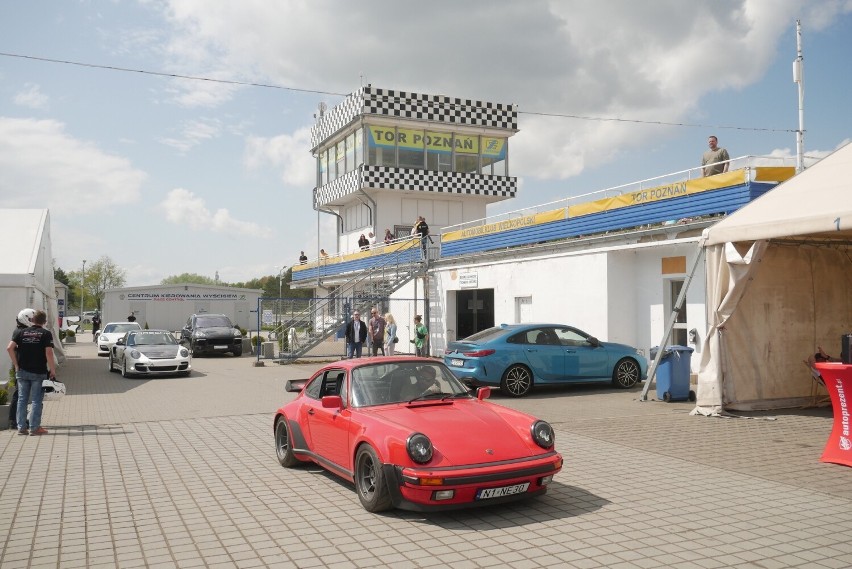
96 325
31 352
24 320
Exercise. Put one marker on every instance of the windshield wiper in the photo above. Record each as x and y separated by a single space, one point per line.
435 395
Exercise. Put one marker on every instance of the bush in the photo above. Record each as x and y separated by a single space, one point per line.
70 333
62 334
255 340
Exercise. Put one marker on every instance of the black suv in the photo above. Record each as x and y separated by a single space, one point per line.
211 333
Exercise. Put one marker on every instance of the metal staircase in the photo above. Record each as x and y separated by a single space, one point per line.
325 316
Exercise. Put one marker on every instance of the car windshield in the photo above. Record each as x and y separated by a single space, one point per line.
152 338
396 382
485 335
212 321
121 328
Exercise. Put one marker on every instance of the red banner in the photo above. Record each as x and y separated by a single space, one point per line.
838 382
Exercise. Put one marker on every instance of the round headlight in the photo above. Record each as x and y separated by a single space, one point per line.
199 334
135 354
237 333
542 434
419 448
184 352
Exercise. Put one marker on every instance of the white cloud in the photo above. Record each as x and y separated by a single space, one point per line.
43 166
32 97
193 133
290 153
183 207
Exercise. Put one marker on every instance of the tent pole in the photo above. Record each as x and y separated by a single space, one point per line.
681 298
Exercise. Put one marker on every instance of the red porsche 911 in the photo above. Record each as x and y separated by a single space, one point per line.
411 436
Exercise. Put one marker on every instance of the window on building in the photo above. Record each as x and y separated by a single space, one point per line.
439 151
410 145
359 147
494 152
341 158
323 168
679 333
350 152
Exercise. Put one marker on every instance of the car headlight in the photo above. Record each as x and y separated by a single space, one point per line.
199 334
135 354
419 448
542 434
237 333
184 352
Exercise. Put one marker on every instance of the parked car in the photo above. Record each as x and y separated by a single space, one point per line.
111 332
87 316
149 352
516 357
412 436
212 333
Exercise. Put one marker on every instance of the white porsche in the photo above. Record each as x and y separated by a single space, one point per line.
112 332
149 352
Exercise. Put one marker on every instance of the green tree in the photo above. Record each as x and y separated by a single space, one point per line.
188 278
100 275
64 278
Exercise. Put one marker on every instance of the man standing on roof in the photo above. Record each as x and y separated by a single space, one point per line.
715 160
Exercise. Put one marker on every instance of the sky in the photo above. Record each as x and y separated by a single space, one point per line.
167 175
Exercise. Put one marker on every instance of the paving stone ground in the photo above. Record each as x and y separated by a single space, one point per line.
181 472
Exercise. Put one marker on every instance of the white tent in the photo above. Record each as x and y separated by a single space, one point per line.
779 284
26 273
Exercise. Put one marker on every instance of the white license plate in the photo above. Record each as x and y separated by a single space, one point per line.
457 363
486 493
220 347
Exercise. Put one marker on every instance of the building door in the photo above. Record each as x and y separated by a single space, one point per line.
474 311
523 309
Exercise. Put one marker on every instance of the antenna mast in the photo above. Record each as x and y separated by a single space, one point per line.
799 78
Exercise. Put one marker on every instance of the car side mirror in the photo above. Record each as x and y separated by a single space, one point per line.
295 385
594 341
332 402
119 342
483 393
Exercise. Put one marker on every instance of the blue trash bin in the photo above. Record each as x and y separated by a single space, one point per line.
672 375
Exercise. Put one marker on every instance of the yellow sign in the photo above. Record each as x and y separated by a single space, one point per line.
506 225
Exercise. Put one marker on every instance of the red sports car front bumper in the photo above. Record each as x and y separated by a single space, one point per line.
423 488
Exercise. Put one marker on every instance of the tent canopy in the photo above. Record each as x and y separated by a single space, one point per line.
816 204
778 284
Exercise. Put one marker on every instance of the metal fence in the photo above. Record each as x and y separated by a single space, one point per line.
293 329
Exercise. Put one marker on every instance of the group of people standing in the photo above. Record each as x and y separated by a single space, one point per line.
380 333
31 352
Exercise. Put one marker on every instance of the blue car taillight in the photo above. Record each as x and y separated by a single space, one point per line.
478 353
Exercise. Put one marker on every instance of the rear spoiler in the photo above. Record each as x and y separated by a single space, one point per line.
295 385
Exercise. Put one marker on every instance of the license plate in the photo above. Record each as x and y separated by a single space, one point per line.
220 347
486 493
457 363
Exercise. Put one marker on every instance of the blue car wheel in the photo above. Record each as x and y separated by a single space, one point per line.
517 381
626 373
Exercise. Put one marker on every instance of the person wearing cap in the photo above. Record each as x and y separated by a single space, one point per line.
356 335
24 320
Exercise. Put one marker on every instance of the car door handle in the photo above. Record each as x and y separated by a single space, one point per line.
310 411
532 350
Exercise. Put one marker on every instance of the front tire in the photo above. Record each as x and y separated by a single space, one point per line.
284 445
626 373
109 366
517 381
370 481
238 352
124 372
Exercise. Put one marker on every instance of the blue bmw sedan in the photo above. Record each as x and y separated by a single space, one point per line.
516 357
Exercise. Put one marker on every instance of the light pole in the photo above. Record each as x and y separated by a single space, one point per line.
82 293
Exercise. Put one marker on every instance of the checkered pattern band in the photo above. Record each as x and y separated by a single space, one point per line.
416 106
410 179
